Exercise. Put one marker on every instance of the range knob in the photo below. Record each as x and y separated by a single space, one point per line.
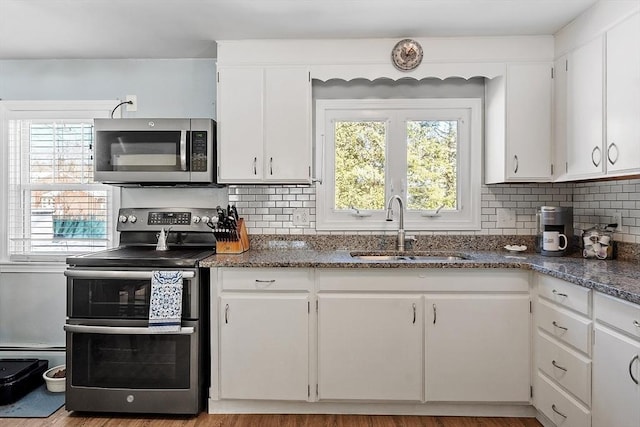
122 218
206 219
196 219
132 219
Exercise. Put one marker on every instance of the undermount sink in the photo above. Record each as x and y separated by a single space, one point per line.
424 257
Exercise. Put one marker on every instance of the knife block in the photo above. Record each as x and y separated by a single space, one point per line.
234 243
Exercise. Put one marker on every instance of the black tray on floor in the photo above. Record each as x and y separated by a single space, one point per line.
20 376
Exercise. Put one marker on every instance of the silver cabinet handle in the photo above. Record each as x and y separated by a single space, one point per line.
123 330
555 365
99 274
560 294
255 166
414 312
266 281
434 314
183 150
612 161
226 313
554 323
593 160
557 412
636 324
515 164
634 379
271 165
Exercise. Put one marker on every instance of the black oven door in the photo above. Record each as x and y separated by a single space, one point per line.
113 294
133 369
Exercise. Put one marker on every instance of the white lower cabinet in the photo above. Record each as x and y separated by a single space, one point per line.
477 348
616 363
562 390
370 347
264 342
263 333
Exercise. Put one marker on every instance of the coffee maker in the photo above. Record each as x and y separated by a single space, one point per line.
554 224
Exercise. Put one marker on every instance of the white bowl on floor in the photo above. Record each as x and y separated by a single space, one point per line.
55 385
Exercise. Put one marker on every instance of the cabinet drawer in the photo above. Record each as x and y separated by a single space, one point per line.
564 293
567 327
565 367
618 313
558 406
266 279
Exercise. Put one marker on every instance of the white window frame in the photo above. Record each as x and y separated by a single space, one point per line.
16 110
469 113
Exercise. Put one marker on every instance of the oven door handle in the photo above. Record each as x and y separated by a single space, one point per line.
102 274
119 330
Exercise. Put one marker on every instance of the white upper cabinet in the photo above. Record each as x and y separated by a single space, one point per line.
518 124
623 97
602 105
584 148
560 117
264 122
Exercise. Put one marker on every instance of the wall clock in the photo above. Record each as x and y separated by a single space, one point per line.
406 54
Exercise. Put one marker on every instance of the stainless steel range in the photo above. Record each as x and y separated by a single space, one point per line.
116 362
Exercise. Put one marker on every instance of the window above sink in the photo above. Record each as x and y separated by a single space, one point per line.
426 151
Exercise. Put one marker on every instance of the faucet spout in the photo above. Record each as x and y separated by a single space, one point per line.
401 234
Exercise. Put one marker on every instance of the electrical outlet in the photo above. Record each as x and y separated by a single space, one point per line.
301 217
617 218
134 105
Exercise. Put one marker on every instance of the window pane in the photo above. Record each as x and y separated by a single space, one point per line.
360 165
68 220
59 152
431 164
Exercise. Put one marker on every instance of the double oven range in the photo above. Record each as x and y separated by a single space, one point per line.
115 361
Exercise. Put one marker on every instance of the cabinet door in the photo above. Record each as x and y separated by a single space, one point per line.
264 347
616 397
477 348
287 125
623 97
585 156
529 122
240 125
560 117
370 347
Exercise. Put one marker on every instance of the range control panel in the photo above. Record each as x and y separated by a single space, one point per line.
169 218
152 219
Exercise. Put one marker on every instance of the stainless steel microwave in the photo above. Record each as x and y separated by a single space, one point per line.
155 151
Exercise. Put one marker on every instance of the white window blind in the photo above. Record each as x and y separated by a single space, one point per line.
54 207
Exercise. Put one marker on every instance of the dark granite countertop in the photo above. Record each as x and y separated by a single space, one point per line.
617 278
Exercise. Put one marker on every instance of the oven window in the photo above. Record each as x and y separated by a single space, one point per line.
131 361
117 299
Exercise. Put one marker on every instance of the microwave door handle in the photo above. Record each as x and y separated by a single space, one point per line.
183 150
120 330
100 274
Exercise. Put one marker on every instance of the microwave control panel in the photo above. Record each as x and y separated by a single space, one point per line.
198 151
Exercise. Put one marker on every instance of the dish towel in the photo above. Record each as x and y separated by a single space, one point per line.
165 308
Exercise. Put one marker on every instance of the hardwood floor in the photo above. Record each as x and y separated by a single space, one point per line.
67 419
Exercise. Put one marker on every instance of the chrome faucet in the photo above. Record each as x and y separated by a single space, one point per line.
162 240
400 241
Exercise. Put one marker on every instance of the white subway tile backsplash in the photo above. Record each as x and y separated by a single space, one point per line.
269 209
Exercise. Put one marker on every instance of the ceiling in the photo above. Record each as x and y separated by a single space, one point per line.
31 29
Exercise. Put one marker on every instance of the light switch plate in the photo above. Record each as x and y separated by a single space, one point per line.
505 218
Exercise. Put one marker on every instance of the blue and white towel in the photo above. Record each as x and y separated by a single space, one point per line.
165 308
